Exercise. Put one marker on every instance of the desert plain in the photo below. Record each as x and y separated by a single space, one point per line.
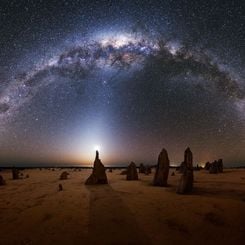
34 211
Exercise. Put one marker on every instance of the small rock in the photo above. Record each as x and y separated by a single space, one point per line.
15 173
60 187
64 175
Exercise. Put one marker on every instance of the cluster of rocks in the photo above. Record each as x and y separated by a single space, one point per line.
144 169
98 175
131 171
16 174
214 167
185 184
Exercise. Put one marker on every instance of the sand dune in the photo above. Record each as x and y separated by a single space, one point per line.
33 211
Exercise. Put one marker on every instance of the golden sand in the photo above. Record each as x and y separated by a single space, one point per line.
33 211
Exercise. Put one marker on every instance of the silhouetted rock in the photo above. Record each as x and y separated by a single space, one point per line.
162 169
148 170
2 181
98 175
60 187
213 168
15 173
142 168
220 165
132 172
207 166
64 175
186 180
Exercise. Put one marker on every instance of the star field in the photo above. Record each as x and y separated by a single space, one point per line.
130 76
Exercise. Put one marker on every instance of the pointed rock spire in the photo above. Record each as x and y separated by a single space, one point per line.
98 175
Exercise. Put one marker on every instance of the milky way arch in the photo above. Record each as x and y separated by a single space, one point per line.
118 53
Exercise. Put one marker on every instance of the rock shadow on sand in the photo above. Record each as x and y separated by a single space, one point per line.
110 220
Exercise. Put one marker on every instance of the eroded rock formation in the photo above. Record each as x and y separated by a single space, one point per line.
98 175
162 169
132 172
186 181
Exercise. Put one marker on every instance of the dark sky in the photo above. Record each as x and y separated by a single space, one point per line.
127 77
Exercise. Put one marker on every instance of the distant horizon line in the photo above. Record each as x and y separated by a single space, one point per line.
80 165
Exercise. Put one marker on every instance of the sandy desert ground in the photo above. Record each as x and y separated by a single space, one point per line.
33 211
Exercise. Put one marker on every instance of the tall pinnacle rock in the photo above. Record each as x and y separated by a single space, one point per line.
186 180
98 175
162 169
188 158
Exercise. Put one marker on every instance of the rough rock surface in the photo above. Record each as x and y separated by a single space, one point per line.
98 175
132 172
162 169
186 180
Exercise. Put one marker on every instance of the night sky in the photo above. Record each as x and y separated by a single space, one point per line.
127 77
